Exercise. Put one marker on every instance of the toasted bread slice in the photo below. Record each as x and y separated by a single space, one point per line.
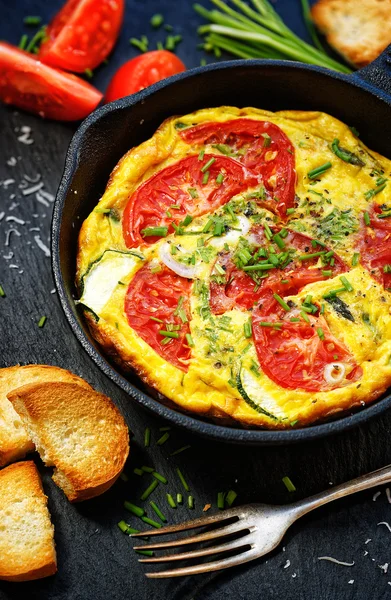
15 442
79 431
27 548
359 30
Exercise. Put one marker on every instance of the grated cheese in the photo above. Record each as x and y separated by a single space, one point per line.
375 496
32 189
388 494
41 245
8 235
384 567
386 524
334 560
287 564
16 220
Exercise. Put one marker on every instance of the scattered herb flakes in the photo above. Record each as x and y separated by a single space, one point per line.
157 21
42 321
288 484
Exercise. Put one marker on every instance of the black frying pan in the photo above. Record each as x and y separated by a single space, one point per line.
362 100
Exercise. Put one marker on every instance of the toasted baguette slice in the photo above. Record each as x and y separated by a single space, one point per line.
27 548
79 431
15 442
358 29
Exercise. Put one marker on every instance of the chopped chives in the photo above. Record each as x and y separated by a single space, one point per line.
156 21
208 164
155 231
230 497
187 220
347 285
201 155
267 140
147 437
149 490
333 293
314 173
164 428
179 498
205 178
137 471
193 192
89 73
269 324
327 273
2 292
311 255
259 267
32 20
142 45
158 512
183 316
169 334
180 450
219 269
151 522
42 321
305 317
189 340
156 319
169 214
159 477
183 481
124 476
279 241
190 502
322 309
290 211
145 552
295 320
171 501
176 206
268 231
248 330
288 484
281 302
163 440
320 333
221 500
147 469
126 528
220 178
367 219
136 510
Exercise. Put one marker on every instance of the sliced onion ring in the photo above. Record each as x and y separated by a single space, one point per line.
334 372
187 271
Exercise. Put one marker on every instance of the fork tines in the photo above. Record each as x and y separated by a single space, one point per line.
229 523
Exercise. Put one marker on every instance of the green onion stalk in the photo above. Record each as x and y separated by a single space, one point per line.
260 32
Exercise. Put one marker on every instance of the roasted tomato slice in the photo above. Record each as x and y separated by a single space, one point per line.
240 290
151 304
27 83
374 244
82 34
142 71
259 145
183 188
300 355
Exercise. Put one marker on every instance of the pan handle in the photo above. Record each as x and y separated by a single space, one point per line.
378 72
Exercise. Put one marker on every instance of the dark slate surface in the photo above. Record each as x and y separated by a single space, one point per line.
95 559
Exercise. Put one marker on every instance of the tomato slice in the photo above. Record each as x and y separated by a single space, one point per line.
157 295
149 204
293 355
82 34
241 291
262 147
29 84
142 71
374 244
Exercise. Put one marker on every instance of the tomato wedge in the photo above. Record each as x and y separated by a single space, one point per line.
182 186
152 296
142 71
294 354
29 84
82 34
241 291
262 147
374 243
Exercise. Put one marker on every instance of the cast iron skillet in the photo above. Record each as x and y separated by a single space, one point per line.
362 100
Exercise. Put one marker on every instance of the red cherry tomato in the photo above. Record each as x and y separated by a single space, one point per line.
142 71
293 355
260 146
82 34
157 295
182 185
29 84
374 244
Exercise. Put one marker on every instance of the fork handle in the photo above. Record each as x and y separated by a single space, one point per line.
363 482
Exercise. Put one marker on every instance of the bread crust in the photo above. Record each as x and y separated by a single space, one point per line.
359 31
21 490
15 442
79 431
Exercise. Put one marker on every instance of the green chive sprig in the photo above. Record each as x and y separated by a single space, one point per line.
314 173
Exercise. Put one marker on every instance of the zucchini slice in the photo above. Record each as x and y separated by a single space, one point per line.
256 397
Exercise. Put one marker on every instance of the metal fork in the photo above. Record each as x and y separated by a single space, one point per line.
261 527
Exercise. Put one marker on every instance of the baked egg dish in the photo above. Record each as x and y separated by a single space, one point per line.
239 262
